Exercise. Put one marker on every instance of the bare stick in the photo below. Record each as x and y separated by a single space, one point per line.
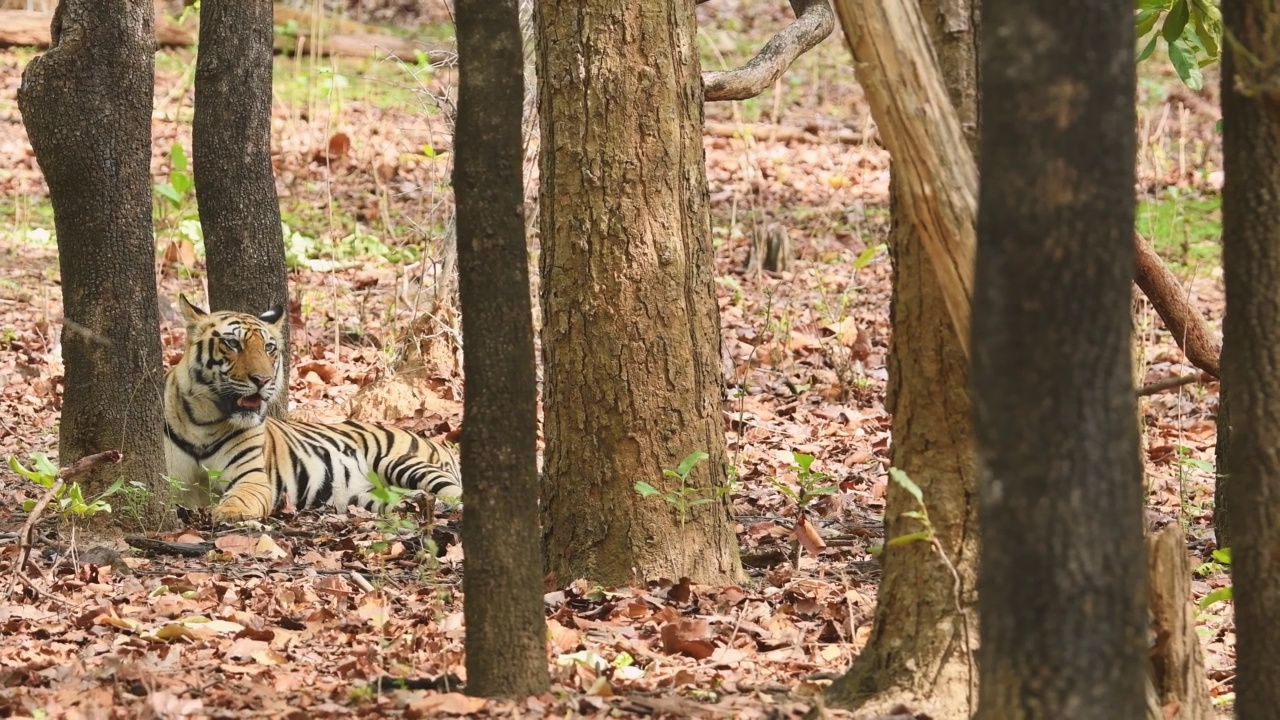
25 535
814 22
1170 383
1168 298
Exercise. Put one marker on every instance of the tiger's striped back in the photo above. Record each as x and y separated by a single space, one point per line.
215 420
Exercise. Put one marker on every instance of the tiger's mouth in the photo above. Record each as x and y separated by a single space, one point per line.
250 402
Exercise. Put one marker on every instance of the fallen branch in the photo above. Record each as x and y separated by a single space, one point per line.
1170 383
814 22
21 28
25 535
151 546
1188 328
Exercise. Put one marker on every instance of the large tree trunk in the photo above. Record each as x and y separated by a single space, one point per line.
86 104
631 336
506 632
920 651
1251 261
1063 575
231 149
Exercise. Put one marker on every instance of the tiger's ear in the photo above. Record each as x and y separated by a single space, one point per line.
274 315
190 312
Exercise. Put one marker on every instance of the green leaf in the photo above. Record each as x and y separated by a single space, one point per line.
1222 594
867 255
181 182
178 157
1175 21
908 538
1146 21
428 151
825 490
1184 61
905 483
646 490
687 464
1222 555
1208 22
1151 4
44 465
115 488
913 514
1150 48
166 191
28 505
802 461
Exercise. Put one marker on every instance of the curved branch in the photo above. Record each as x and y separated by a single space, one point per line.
1185 324
814 22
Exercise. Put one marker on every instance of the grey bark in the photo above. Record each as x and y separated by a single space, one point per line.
1062 583
506 633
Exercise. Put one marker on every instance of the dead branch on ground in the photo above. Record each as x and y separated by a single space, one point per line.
814 22
27 533
1170 383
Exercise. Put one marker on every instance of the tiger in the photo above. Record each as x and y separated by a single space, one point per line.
216 421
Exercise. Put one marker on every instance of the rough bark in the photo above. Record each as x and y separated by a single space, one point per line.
895 64
506 632
86 104
631 338
1251 264
920 651
231 153
1177 662
1063 624
813 23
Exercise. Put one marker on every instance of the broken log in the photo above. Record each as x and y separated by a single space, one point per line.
21 28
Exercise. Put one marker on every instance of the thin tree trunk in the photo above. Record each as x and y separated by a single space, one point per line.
1063 575
506 632
1251 261
920 651
86 104
231 149
631 335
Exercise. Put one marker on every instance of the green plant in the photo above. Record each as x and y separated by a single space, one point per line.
1192 30
1222 556
685 498
808 481
135 494
926 531
68 499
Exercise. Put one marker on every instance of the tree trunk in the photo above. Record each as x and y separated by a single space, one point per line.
920 651
1177 674
231 149
631 336
86 104
506 632
1251 264
1063 576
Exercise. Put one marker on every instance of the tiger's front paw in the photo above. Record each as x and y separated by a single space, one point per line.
233 509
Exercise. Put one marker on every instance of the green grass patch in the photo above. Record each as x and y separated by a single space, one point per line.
1185 230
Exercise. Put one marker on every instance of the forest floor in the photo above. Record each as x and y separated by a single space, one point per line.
319 616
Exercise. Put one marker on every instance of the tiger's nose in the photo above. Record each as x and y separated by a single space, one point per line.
260 380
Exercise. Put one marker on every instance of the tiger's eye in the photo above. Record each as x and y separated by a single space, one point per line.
231 344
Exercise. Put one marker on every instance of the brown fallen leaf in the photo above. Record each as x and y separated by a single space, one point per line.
434 704
807 536
688 636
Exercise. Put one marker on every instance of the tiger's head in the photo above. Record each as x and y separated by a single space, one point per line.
234 361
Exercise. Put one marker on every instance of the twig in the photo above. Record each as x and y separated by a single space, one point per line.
814 22
1170 383
25 535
